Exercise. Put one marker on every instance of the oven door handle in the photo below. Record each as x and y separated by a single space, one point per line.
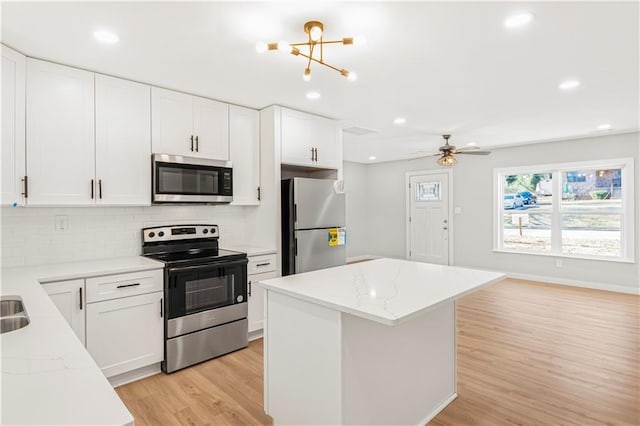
207 266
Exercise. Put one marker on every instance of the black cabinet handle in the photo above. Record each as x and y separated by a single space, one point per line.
100 188
161 308
197 144
128 285
92 188
264 264
192 143
249 288
258 193
80 298
316 154
26 187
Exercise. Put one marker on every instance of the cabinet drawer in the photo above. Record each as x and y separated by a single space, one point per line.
260 264
124 285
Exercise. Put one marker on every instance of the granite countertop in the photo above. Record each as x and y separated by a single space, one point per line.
388 291
48 377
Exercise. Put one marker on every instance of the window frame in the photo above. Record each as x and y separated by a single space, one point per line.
627 232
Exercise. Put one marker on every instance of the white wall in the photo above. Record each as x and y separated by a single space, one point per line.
355 188
384 211
29 236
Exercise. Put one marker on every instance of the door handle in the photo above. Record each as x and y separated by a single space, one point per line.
26 187
445 228
249 288
191 143
197 145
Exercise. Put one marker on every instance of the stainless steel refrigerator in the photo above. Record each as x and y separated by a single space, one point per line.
313 220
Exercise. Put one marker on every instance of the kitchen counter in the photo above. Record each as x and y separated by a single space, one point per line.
251 250
48 377
388 291
368 343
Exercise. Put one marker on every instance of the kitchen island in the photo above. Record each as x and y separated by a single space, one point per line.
367 343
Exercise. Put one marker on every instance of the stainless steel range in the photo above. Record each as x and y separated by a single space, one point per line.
205 293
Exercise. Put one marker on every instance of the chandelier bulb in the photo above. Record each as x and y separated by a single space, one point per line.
359 40
352 76
261 47
307 74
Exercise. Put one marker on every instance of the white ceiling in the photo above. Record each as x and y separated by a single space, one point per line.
446 67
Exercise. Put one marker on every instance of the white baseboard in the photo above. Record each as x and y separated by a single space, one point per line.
575 283
438 409
132 376
255 335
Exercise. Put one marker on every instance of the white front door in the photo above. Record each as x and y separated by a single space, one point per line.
428 222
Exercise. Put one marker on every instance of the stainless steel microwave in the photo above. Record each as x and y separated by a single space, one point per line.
179 179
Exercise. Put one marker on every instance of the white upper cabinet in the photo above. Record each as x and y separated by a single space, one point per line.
189 125
309 140
60 134
244 142
171 122
211 128
123 142
13 122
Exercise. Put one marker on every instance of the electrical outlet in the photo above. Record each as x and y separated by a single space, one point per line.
457 210
62 223
558 263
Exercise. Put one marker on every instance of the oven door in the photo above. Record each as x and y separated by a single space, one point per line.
178 179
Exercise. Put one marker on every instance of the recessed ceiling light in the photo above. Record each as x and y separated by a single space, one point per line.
606 126
518 20
472 144
400 121
313 95
106 37
372 158
569 84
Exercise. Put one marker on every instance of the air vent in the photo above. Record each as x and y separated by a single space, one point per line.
359 131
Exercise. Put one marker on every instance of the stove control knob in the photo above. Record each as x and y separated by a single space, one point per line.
213 230
205 231
161 234
152 234
240 298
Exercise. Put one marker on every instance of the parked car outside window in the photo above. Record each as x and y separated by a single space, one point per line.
528 197
512 201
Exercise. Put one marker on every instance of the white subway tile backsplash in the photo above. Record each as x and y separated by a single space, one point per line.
29 236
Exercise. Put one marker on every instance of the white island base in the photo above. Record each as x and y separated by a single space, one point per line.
363 344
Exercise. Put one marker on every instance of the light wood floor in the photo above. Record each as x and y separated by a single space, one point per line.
528 354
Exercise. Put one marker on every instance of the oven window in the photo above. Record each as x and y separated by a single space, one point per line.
187 179
208 292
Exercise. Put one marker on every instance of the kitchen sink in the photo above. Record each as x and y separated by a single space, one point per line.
13 323
13 315
10 307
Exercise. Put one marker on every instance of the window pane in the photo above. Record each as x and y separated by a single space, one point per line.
592 190
428 191
527 231
592 234
530 191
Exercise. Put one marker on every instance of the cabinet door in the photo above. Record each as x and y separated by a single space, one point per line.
123 142
171 122
296 137
125 334
255 314
323 138
60 134
211 127
13 142
244 145
69 298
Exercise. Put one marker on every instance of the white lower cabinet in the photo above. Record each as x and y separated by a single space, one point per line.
69 299
127 333
260 267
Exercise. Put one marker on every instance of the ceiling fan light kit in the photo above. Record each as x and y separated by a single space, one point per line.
315 46
446 152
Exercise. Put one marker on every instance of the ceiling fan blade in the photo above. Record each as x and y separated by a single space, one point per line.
474 152
468 148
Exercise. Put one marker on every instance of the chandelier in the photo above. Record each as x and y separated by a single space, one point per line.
314 47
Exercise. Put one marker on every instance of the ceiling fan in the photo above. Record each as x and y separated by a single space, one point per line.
446 152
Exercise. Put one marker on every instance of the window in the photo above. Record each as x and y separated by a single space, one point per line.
574 209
